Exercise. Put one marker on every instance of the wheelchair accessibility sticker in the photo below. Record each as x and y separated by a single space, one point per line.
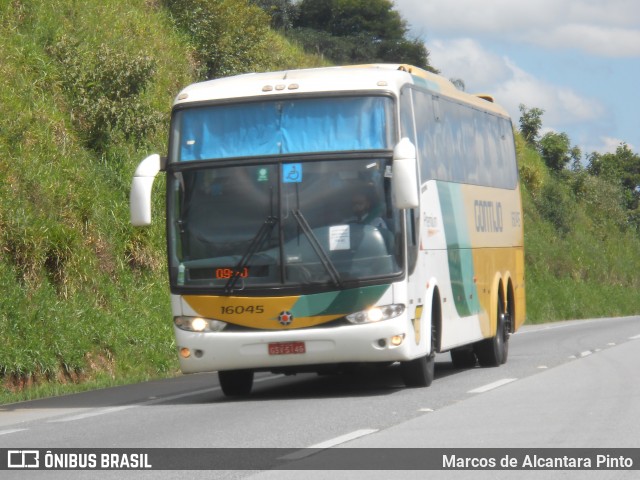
292 173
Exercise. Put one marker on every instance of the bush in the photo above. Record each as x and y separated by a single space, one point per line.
556 206
104 89
603 201
532 170
230 36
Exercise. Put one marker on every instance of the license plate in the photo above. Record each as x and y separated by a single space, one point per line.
286 348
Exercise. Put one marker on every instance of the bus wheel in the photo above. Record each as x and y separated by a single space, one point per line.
493 352
236 382
418 372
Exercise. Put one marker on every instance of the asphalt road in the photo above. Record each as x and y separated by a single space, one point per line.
565 385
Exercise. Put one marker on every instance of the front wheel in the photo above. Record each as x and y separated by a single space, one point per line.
236 383
418 372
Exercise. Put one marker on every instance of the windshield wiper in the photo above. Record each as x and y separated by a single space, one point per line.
261 235
315 244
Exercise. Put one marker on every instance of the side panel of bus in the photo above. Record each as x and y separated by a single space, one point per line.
468 262
470 243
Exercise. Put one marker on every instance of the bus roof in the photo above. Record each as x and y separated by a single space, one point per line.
371 77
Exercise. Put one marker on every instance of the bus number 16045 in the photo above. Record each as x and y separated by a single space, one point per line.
241 309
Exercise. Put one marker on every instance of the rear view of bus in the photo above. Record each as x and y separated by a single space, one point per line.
308 231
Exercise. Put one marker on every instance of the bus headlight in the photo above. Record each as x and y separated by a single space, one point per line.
376 314
199 324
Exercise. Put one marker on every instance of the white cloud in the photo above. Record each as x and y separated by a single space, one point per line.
483 71
597 40
607 145
609 29
467 59
576 59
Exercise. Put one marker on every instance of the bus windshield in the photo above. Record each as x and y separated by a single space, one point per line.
282 126
283 224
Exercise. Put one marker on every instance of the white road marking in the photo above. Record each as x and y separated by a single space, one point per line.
92 413
567 324
545 328
586 353
344 438
491 386
313 449
7 432
635 337
152 401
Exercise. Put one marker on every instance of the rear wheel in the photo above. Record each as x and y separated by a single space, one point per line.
494 351
236 382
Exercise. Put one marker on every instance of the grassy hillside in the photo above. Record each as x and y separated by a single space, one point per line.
85 92
580 250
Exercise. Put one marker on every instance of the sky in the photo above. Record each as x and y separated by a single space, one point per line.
578 60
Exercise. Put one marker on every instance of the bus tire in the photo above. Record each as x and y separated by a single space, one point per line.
493 351
418 372
235 383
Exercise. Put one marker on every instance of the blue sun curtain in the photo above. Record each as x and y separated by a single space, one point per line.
283 127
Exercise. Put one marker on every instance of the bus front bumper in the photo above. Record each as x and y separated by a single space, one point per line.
385 341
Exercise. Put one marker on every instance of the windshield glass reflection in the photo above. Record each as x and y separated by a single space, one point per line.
283 224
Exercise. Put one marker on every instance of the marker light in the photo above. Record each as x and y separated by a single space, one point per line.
376 314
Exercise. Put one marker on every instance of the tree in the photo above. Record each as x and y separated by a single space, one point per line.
358 31
555 150
622 168
344 18
458 83
530 124
282 12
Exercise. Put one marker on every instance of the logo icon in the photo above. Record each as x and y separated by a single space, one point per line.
292 173
23 459
285 318
263 175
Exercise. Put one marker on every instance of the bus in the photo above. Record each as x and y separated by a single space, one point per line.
321 219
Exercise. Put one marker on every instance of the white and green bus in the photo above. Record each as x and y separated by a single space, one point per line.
323 218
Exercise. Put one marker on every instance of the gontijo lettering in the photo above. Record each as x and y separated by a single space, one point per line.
488 216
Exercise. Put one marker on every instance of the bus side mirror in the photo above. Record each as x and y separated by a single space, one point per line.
404 181
141 187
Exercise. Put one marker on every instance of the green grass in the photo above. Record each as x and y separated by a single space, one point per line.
83 293
580 252
85 301
85 93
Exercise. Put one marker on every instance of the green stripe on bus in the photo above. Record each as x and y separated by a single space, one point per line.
338 303
459 252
